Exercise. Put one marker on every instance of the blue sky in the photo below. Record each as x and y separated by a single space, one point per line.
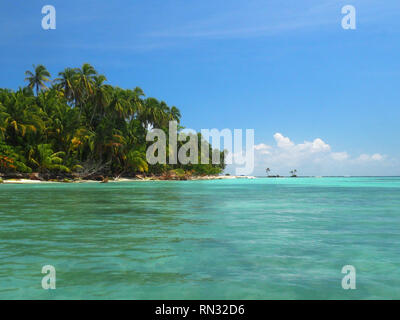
282 67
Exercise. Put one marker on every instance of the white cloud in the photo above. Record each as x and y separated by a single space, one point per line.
262 148
374 157
339 156
282 142
377 157
316 146
317 158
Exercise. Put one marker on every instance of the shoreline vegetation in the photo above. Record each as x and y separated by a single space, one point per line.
79 128
137 178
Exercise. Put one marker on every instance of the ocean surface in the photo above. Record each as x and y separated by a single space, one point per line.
225 239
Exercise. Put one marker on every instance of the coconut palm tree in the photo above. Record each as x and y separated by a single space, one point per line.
175 114
38 78
149 115
20 115
84 85
163 115
85 78
118 103
66 82
100 97
136 101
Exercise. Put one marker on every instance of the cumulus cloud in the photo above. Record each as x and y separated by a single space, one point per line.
318 145
316 157
283 142
374 157
339 156
262 148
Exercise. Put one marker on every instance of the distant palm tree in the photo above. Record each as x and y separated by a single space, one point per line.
267 171
293 173
38 78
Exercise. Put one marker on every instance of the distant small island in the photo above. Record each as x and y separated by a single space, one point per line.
76 127
293 174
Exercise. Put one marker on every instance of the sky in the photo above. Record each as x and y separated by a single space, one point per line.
321 99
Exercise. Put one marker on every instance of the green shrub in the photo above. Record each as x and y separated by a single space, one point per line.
179 172
11 160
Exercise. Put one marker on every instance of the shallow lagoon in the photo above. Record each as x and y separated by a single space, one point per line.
223 239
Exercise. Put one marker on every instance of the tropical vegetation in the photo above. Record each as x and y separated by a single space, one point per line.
78 124
293 173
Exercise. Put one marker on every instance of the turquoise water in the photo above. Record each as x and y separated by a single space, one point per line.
226 239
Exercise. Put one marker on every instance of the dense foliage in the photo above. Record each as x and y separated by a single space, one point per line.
79 124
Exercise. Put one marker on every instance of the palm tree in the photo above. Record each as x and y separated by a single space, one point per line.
66 82
163 114
268 171
175 114
118 103
149 115
293 173
136 160
38 78
85 78
137 101
49 160
100 97
84 85
83 141
20 115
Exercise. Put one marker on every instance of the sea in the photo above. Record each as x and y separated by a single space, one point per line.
264 238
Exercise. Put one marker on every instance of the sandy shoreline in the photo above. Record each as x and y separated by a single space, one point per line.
28 181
